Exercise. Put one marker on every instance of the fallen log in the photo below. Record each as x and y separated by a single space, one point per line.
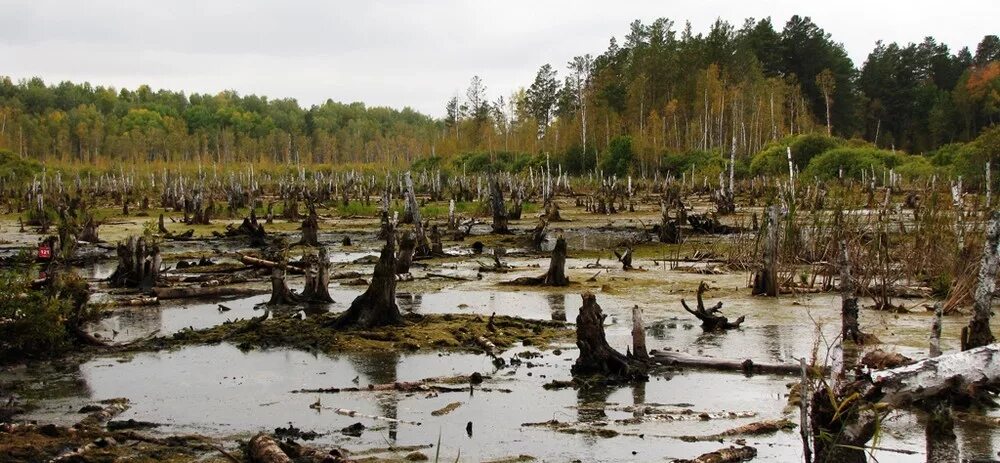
671 358
203 291
114 408
354 413
726 455
264 449
757 428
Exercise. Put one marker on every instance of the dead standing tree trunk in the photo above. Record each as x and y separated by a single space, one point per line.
978 334
499 209
421 246
404 258
710 320
138 265
765 281
849 309
377 306
597 357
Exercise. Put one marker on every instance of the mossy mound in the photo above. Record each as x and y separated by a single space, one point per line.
420 332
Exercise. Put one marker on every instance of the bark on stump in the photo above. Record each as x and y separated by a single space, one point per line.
597 357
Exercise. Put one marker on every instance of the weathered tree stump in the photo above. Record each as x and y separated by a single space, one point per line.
765 280
978 333
88 233
538 234
138 265
437 247
377 306
280 293
404 257
556 276
710 318
597 357
625 258
317 287
310 231
263 449
499 209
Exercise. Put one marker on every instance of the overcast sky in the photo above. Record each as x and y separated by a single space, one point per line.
399 53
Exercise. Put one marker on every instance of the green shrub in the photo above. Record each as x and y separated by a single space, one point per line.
17 168
35 323
773 160
619 157
678 163
501 161
852 161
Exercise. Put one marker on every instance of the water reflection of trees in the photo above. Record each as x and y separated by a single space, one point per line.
557 306
380 368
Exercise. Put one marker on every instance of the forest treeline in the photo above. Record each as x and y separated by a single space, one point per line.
663 94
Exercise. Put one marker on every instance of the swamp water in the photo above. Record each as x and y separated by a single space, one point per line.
221 391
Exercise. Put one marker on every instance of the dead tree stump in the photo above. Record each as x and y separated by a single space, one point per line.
710 318
377 306
138 265
978 333
597 357
317 287
499 209
310 231
625 258
280 294
404 257
765 281
556 276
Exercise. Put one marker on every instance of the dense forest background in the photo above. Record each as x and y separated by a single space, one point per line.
664 98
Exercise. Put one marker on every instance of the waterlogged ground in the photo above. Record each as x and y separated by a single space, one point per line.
221 391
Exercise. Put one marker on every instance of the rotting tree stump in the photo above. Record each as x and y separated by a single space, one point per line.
710 318
500 225
310 231
597 357
404 257
317 287
555 276
377 305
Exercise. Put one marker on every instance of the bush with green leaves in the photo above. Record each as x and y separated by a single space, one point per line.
697 160
773 160
14 167
502 161
619 157
37 323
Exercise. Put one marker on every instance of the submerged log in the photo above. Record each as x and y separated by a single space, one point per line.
597 357
264 449
726 455
978 333
746 366
377 305
710 318
185 292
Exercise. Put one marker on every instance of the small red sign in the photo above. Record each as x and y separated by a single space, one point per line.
44 251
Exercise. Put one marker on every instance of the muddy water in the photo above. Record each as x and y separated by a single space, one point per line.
221 391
